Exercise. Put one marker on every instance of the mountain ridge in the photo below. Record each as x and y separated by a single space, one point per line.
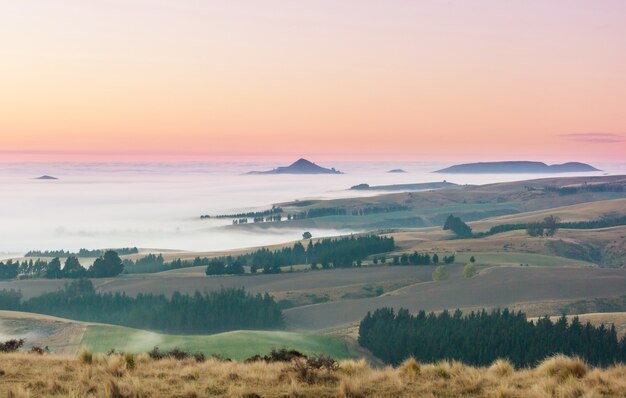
300 166
519 166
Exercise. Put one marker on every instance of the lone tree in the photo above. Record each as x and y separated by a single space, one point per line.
551 225
106 266
54 269
456 225
470 270
472 260
534 229
73 269
307 235
441 273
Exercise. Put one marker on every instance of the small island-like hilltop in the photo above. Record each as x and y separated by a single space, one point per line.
517 167
46 177
301 166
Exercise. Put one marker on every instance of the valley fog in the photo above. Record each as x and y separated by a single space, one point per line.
159 205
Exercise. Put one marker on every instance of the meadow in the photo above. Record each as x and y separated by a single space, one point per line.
25 375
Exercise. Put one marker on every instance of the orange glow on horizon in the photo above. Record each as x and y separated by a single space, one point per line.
353 80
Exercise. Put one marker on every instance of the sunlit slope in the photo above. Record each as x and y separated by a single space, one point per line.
64 336
236 345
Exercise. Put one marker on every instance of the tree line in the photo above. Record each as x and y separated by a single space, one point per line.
107 265
585 188
456 225
540 227
329 252
81 253
325 253
276 214
416 258
546 227
250 214
208 312
479 338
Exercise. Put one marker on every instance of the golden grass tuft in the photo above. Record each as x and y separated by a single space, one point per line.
85 356
411 368
562 367
351 388
28 375
501 368
352 367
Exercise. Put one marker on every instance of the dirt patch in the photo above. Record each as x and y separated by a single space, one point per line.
60 336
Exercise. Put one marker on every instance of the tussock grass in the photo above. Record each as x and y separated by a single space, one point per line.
124 375
562 367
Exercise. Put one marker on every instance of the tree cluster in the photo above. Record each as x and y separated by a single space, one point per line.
250 214
456 225
108 265
330 252
479 338
420 259
547 227
212 312
609 220
586 188
144 264
81 253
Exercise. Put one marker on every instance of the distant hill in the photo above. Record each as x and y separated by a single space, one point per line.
301 166
396 171
404 187
517 167
46 177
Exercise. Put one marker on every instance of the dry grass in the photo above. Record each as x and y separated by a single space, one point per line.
25 375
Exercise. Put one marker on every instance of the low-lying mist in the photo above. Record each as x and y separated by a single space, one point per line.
159 205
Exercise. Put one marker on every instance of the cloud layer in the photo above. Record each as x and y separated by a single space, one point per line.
598 138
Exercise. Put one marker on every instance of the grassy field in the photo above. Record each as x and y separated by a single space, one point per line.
168 283
28 375
512 258
494 287
65 337
237 345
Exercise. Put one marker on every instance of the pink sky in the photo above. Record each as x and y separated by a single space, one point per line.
248 80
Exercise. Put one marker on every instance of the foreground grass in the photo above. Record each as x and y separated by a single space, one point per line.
23 375
237 345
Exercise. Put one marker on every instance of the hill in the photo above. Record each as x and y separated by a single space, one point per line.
301 166
517 167
404 187
237 345
64 336
431 207
46 177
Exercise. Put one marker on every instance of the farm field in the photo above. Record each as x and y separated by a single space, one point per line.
513 258
168 283
495 287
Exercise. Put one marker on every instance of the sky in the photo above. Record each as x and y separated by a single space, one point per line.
113 80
